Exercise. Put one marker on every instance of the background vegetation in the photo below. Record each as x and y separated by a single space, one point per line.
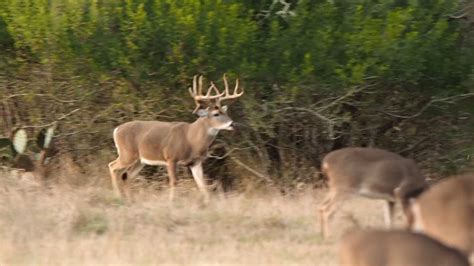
319 75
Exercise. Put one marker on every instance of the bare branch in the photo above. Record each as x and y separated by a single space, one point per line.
412 146
463 15
464 12
39 95
302 109
430 103
210 155
284 12
348 94
56 121
253 171
330 122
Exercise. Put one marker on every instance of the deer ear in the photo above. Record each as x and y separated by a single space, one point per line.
224 108
202 112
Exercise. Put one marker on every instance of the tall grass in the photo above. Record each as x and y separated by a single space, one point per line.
86 225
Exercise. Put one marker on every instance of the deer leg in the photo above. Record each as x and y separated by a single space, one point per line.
171 167
328 210
388 213
113 176
131 172
322 209
118 173
128 175
325 202
135 169
198 175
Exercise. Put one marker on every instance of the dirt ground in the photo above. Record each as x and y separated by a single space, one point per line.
86 225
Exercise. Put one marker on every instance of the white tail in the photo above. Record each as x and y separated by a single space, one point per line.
172 143
446 212
395 248
369 172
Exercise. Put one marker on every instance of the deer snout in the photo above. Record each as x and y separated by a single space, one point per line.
231 126
225 125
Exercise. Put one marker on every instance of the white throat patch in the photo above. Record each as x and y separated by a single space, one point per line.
212 131
226 125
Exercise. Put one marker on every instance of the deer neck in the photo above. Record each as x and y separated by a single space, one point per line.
201 134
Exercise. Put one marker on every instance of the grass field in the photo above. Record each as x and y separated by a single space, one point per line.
86 225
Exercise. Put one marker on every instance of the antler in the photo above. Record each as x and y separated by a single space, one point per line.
196 92
227 95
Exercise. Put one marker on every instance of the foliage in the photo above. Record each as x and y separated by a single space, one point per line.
319 75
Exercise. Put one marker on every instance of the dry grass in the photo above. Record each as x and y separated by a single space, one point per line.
86 225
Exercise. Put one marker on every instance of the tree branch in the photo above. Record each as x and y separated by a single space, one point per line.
39 95
56 121
329 121
253 171
430 103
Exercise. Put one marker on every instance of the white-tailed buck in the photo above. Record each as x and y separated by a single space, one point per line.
173 143
368 172
446 212
396 248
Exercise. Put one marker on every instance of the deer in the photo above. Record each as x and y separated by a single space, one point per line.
395 248
173 144
446 212
371 173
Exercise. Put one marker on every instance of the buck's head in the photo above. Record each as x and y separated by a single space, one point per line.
210 106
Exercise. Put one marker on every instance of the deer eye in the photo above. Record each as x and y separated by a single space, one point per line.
216 114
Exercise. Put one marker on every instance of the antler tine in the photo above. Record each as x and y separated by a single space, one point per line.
200 85
214 87
197 92
193 93
226 85
192 90
236 88
227 95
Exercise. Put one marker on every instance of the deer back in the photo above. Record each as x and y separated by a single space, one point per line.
369 169
396 247
163 141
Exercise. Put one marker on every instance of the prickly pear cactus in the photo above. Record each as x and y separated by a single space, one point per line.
20 141
48 137
14 150
43 141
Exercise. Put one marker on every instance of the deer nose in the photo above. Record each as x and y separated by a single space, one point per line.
233 126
